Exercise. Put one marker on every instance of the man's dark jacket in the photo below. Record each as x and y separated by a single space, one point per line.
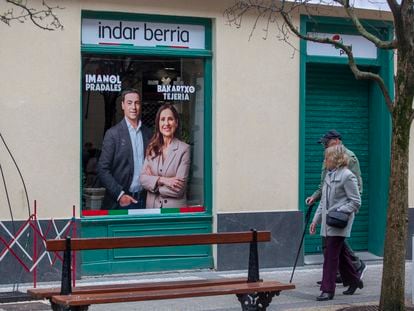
116 164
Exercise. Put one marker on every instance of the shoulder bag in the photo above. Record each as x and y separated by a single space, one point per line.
337 219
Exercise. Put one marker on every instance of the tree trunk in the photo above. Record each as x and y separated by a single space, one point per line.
393 277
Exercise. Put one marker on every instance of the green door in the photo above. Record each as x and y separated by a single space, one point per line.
336 100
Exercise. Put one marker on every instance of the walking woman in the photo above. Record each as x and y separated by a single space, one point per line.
339 192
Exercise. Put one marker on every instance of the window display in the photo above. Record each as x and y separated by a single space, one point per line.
143 134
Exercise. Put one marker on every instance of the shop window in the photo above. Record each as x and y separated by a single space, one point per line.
159 81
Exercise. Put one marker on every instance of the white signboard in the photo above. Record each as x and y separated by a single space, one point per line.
381 5
361 47
115 32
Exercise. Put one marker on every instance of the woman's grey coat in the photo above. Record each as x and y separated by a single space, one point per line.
339 192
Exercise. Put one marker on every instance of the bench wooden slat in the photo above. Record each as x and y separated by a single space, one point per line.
42 293
209 290
151 241
112 293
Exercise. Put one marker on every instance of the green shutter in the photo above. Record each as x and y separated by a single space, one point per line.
336 100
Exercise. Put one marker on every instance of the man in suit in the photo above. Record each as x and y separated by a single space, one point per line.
122 157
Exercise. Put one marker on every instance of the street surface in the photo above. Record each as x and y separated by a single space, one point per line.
300 299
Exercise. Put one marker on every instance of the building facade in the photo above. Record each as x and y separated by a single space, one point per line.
251 109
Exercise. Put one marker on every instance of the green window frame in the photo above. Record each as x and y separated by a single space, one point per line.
205 54
380 121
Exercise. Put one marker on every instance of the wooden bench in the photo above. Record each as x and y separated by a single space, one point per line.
252 292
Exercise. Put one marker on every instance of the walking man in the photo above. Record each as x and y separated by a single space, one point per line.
332 138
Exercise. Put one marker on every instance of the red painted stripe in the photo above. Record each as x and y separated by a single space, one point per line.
192 209
15 255
95 213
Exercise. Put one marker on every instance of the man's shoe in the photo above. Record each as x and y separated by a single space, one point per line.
361 270
324 296
351 290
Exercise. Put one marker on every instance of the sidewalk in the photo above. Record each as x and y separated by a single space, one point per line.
300 299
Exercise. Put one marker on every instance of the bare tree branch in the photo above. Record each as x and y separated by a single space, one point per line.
235 13
387 45
271 9
359 74
394 6
45 17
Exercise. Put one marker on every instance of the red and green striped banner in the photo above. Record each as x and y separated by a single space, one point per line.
149 211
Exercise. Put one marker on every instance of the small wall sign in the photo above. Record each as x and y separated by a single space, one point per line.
361 47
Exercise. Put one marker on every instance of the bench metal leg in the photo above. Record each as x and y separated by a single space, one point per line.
57 307
256 301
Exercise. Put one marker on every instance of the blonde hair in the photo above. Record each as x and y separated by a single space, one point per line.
337 155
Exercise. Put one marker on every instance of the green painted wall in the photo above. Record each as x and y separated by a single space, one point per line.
146 259
335 100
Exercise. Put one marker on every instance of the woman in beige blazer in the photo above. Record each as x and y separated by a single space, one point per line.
167 163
